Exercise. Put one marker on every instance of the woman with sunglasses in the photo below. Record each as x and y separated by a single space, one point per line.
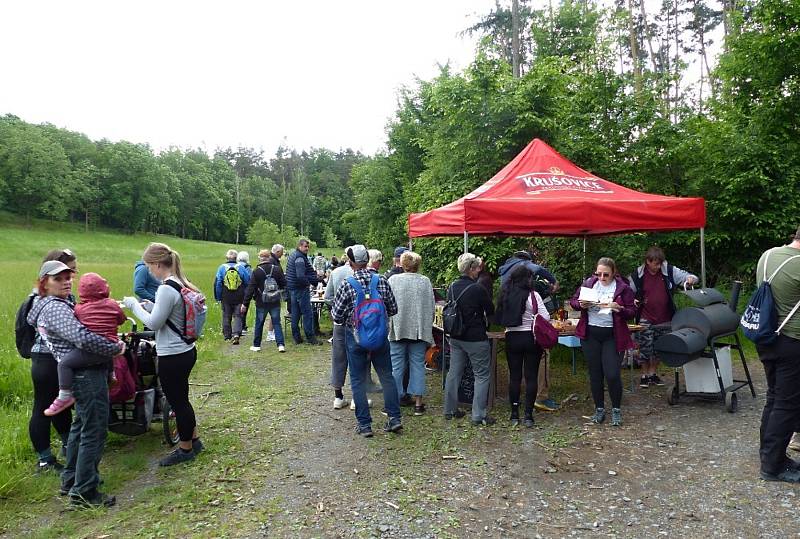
604 334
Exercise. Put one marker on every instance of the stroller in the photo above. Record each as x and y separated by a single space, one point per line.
133 417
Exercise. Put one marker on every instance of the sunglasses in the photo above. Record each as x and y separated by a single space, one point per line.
602 274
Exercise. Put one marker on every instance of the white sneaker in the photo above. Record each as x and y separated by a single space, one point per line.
270 336
353 404
281 348
338 403
255 348
794 443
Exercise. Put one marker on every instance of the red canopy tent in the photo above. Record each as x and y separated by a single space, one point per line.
541 193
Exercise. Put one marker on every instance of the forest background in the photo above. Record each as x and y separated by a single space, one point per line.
610 87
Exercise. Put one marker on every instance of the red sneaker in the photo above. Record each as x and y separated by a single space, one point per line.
59 406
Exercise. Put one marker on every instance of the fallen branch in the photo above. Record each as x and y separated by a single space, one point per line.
227 480
199 384
390 504
452 457
205 396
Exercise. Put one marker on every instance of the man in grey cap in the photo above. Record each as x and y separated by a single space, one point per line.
397 268
360 358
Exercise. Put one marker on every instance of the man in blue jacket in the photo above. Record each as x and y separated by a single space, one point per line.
229 285
144 284
299 276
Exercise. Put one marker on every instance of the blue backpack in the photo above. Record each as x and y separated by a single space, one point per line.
760 319
369 316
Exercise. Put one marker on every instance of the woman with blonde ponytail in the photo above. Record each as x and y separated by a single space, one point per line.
176 358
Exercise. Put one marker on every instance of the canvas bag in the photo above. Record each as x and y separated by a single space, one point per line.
759 321
544 333
371 324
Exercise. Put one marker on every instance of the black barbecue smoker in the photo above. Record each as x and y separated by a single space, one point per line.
701 332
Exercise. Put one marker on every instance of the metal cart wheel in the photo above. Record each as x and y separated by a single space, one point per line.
673 394
731 402
171 435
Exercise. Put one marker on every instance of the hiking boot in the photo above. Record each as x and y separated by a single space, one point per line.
616 417
364 431
176 457
197 446
787 475
281 348
393 425
655 380
314 342
514 418
298 341
794 443
338 403
547 405
98 500
235 339
50 464
458 414
529 423
485 422
59 406
644 382
419 410
255 348
599 415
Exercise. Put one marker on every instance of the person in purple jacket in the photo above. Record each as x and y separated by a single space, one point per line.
604 334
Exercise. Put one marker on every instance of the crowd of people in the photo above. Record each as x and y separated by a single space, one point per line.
382 323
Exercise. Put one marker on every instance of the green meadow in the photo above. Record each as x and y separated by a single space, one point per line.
113 256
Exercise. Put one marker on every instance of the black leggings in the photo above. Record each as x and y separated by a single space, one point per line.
523 355
603 360
44 373
173 371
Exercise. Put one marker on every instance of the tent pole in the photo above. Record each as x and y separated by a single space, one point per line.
466 241
703 256
410 244
584 254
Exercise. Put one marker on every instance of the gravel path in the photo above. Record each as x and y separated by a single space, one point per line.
689 469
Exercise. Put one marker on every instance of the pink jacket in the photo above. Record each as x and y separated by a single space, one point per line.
97 311
624 296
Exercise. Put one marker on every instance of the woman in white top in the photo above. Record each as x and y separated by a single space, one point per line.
517 306
175 357
604 334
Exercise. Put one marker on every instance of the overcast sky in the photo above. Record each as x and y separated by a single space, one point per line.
226 73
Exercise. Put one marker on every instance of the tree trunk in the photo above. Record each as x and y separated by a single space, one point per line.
515 38
677 60
634 43
649 35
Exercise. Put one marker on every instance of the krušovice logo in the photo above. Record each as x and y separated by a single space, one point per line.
555 180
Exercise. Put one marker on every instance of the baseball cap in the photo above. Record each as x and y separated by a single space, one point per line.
399 251
358 254
52 267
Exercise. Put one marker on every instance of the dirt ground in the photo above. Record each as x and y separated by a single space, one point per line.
683 470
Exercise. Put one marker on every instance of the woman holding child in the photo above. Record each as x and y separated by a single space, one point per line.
60 333
176 358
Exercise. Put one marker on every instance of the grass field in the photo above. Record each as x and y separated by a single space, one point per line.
113 256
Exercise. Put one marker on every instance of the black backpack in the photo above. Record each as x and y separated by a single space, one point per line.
452 319
271 293
23 331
